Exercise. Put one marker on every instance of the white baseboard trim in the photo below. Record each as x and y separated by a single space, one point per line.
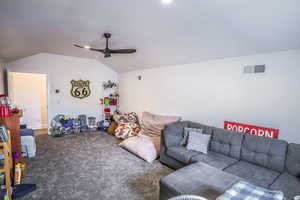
37 126
34 127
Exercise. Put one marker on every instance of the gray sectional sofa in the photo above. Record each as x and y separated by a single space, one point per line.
232 156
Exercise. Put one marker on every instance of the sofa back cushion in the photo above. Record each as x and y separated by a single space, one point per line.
173 134
206 129
293 160
265 152
186 132
226 142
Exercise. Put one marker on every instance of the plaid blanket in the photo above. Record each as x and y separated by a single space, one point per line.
246 191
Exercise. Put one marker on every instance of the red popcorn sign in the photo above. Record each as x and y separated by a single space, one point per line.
253 130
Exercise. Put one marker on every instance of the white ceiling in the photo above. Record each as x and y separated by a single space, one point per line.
186 31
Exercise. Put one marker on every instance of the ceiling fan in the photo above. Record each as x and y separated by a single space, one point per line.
107 51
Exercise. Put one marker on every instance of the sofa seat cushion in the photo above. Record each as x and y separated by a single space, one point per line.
181 154
196 179
254 174
289 185
213 159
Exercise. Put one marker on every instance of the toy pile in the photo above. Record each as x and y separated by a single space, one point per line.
109 104
63 125
104 124
110 99
109 84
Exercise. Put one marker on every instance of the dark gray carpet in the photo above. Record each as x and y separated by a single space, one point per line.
90 167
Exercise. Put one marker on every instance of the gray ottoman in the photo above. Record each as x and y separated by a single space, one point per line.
196 179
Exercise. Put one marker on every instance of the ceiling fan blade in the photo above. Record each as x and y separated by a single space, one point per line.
99 50
76 45
92 49
124 51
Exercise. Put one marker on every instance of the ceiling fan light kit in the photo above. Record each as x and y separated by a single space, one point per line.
107 51
166 1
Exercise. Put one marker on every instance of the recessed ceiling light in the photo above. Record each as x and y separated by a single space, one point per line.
87 47
166 1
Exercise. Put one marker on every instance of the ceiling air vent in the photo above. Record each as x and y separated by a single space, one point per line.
249 69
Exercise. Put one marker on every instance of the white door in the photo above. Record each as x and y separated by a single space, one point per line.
29 91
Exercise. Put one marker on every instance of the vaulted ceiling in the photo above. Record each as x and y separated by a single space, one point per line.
185 31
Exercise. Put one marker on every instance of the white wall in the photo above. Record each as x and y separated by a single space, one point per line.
1 77
60 71
29 91
214 91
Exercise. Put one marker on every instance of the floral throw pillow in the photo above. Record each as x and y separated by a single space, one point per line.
126 130
126 117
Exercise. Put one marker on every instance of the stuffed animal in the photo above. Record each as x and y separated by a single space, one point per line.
109 84
104 124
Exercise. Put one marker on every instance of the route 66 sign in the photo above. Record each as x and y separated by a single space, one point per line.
80 89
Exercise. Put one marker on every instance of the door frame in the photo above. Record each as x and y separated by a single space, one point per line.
10 91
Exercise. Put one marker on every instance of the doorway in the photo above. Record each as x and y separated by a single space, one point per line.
29 91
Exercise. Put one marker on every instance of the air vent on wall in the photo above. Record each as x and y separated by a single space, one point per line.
254 69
